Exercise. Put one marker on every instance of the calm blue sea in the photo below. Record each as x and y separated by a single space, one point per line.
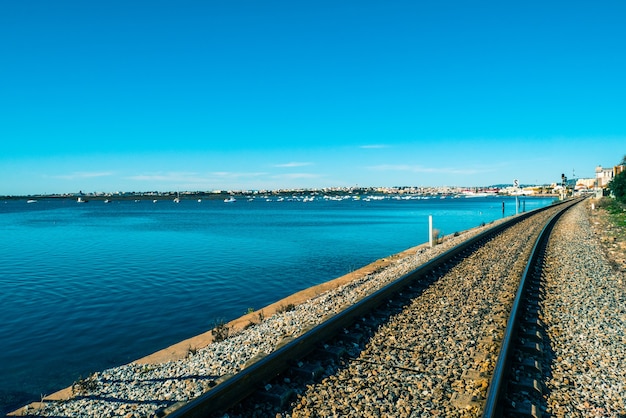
87 286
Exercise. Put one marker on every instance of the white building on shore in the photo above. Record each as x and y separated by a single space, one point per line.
605 175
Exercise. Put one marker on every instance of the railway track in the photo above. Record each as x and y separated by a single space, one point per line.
443 339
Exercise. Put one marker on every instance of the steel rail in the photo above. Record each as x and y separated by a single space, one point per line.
493 406
234 389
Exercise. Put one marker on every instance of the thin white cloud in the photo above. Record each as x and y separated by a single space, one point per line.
237 175
194 177
293 164
294 176
167 177
374 146
83 175
433 170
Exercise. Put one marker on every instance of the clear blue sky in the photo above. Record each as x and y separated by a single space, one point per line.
202 95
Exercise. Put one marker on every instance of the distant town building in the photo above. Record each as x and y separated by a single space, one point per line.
585 184
605 175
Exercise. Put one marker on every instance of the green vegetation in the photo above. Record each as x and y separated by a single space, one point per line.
147 368
618 184
285 308
616 209
437 237
221 330
191 351
618 187
84 386
261 318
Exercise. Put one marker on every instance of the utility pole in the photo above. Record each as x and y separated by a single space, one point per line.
516 185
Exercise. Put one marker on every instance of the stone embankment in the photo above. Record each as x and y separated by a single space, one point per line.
437 341
179 373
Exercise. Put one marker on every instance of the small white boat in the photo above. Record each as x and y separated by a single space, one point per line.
107 201
81 200
31 201
230 200
154 201
176 200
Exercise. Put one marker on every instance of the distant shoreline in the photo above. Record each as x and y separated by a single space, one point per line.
221 195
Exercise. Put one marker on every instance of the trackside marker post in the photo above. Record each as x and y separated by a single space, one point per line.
430 230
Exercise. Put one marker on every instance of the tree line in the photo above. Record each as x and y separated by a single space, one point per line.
618 184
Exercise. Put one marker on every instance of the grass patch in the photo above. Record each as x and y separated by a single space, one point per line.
437 237
221 330
260 318
616 209
285 308
84 386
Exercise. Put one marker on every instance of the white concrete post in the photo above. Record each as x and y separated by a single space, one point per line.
430 230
